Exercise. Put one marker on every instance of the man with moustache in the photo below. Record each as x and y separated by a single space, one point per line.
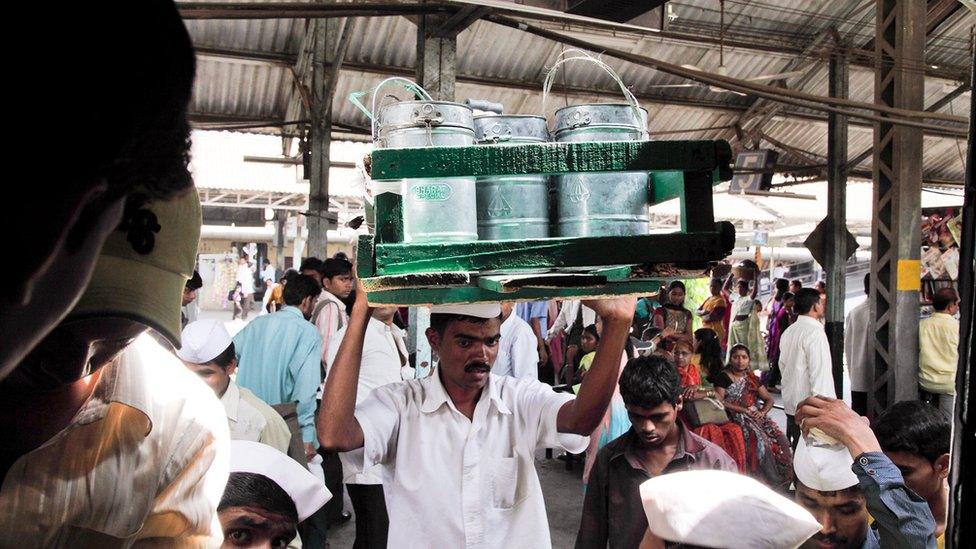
458 447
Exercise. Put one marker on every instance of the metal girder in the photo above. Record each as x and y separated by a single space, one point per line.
533 86
763 109
276 200
896 226
436 58
835 247
331 42
961 531
278 10
614 10
463 18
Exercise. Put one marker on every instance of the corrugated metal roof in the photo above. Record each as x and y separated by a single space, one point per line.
239 91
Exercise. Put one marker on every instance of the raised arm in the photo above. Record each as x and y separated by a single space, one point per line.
337 426
582 415
728 283
901 516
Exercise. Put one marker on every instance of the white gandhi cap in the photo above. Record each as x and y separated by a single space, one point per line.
308 492
723 509
477 310
824 468
202 341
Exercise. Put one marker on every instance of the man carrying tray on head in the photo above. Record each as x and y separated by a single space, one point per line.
457 448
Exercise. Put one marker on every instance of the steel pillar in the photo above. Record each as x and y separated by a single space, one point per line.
436 57
961 531
323 53
896 224
835 247
281 218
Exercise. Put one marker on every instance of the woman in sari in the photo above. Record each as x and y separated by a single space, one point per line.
712 311
768 455
726 435
744 329
774 331
672 314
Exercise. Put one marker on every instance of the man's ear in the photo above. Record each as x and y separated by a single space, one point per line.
433 338
942 465
679 404
232 367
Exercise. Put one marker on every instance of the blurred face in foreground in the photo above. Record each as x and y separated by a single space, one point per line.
213 375
842 515
255 527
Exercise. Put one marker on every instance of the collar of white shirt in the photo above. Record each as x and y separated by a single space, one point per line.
435 395
231 400
806 319
116 384
326 294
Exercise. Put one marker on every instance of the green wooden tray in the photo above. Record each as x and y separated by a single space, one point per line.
398 273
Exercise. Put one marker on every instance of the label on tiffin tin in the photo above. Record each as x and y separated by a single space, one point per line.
432 192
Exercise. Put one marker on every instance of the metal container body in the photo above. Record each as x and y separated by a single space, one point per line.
601 204
515 207
434 210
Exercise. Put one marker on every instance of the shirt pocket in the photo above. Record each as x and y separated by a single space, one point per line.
504 482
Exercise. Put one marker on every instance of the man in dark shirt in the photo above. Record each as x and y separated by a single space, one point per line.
657 443
843 484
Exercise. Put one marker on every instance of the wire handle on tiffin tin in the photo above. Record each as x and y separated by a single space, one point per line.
407 84
580 55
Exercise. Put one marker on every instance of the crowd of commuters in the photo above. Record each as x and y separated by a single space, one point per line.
129 423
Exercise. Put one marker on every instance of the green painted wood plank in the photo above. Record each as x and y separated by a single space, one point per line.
512 283
697 214
389 218
551 158
475 294
420 280
549 253
365 261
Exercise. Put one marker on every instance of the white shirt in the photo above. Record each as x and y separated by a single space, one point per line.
567 315
146 456
857 347
804 360
384 354
518 355
245 421
454 482
245 275
330 318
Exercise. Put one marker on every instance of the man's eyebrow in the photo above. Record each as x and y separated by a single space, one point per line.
248 521
474 337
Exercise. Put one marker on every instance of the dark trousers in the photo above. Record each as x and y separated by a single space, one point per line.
792 431
773 377
247 305
372 521
332 468
859 402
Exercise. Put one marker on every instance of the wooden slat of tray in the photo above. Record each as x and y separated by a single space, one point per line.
552 159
